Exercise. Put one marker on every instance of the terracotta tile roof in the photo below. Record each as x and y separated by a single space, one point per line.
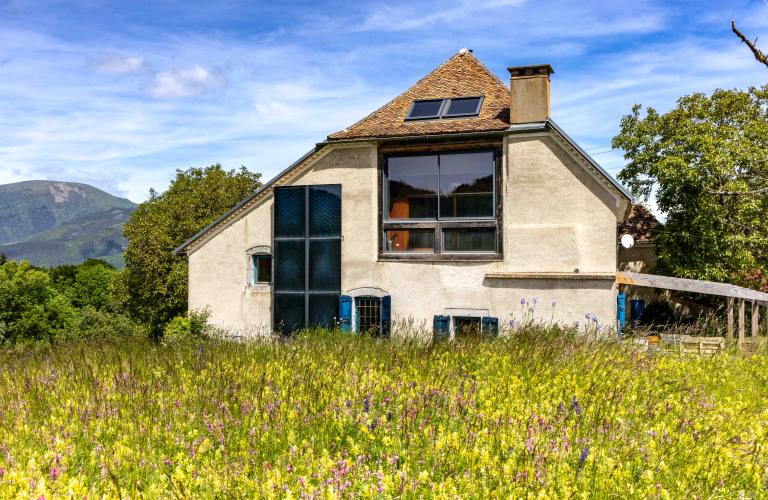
461 75
640 224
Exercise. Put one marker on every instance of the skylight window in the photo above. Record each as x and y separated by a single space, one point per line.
444 109
463 107
426 109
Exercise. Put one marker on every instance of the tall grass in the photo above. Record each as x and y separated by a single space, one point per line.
328 415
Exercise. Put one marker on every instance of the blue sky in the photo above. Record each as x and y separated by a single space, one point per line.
120 94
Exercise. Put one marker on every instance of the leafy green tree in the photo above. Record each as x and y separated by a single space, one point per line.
155 280
707 163
64 277
91 287
30 308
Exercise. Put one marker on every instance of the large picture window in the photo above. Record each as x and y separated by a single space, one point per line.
441 186
442 204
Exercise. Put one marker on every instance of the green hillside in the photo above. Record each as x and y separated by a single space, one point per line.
31 207
96 235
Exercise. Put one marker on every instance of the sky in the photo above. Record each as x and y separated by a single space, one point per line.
121 94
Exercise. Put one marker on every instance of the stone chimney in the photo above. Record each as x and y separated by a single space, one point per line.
529 100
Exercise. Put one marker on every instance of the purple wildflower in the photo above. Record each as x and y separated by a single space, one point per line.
575 406
578 323
522 301
367 403
583 456
535 300
587 316
511 322
594 319
554 303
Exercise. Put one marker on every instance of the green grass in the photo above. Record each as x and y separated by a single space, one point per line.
333 416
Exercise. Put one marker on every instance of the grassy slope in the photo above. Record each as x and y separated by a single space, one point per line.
93 235
30 207
543 415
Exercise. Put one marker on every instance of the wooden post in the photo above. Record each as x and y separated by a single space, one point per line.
755 320
730 301
741 322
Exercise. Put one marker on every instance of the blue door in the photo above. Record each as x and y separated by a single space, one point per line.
621 312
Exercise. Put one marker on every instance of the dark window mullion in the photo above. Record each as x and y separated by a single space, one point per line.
306 256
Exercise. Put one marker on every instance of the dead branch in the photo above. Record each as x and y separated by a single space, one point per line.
758 55
738 193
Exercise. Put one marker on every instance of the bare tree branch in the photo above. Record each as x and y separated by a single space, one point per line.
737 193
758 55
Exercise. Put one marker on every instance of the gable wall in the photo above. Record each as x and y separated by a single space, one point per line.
556 218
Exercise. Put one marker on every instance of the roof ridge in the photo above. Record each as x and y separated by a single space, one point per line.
463 52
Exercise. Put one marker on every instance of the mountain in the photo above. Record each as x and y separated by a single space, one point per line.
30 207
51 223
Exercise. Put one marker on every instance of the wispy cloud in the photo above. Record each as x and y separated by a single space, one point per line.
119 65
120 96
188 82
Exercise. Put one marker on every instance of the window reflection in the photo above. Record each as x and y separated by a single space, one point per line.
413 240
469 240
466 185
412 187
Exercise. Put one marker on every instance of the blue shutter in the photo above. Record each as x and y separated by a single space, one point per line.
386 315
490 326
637 308
621 311
345 312
442 327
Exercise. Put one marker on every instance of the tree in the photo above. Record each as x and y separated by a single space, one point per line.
91 287
30 308
707 161
154 279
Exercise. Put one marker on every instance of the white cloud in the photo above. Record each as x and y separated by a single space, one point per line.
118 65
188 82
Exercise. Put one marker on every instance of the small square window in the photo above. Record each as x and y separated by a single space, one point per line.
425 109
262 268
368 311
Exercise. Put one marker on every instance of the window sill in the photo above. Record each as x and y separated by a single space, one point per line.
260 287
443 257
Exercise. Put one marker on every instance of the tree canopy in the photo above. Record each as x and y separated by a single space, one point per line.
706 161
154 279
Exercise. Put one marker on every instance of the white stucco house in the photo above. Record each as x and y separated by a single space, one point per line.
445 207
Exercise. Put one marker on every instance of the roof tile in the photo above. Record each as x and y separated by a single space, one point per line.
461 75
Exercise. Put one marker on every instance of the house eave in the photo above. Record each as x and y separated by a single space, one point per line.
384 139
181 249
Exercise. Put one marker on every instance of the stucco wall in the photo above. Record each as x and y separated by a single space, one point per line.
557 218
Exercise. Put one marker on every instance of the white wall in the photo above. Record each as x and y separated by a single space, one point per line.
556 218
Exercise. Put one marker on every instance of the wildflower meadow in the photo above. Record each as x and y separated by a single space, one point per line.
540 413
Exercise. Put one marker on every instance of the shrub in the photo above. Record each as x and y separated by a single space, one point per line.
93 323
190 327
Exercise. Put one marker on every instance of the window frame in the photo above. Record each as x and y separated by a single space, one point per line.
357 315
444 115
438 218
255 257
444 107
437 225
